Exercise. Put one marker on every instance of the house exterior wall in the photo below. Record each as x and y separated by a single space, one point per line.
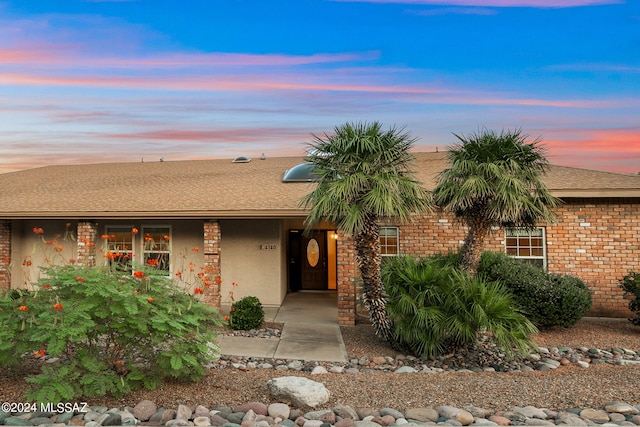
5 255
597 242
252 256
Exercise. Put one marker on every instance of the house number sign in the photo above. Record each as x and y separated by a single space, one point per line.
313 252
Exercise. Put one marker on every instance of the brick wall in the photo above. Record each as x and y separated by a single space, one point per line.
597 242
347 273
5 255
87 234
212 237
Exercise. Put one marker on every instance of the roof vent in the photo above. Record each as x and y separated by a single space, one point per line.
304 172
241 159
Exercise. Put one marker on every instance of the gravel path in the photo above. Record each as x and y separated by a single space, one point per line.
565 387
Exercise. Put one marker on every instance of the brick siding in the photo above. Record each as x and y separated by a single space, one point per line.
596 240
5 255
212 237
87 235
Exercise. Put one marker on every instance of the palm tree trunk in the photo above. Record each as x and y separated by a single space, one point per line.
473 246
367 245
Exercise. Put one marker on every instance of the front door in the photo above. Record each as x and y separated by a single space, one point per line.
308 263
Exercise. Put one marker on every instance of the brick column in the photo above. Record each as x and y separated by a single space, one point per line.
212 237
5 255
347 274
87 234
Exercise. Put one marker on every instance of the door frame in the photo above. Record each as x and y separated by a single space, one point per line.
296 254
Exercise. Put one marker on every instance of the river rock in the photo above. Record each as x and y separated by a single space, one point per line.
144 410
281 410
422 414
461 415
621 408
299 390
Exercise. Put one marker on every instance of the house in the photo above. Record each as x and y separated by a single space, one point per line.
241 222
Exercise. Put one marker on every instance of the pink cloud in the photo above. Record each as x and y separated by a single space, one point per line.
226 135
615 150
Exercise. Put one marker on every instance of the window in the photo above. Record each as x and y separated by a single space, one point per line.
156 249
528 245
389 241
119 242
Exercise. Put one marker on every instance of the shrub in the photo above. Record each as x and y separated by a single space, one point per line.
435 307
631 286
109 332
547 299
246 314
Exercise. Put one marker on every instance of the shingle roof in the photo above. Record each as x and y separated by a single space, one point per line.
219 188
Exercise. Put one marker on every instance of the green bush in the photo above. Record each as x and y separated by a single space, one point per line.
435 308
547 299
109 332
246 314
631 286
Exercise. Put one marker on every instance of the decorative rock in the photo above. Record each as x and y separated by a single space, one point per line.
279 410
249 418
617 418
390 411
312 423
365 424
301 391
345 422
258 407
144 410
422 414
537 422
596 416
167 415
567 418
201 421
405 370
345 412
457 414
319 370
621 408
183 413
530 412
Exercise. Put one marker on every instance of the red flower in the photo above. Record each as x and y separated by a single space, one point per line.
134 230
226 318
46 286
178 273
138 274
152 262
57 306
195 249
105 237
81 279
6 259
218 280
23 308
150 300
38 230
207 283
198 291
58 248
42 353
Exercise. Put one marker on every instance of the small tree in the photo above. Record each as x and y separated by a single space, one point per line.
364 175
494 180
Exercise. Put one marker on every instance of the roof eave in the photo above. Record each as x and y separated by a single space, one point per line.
597 193
232 214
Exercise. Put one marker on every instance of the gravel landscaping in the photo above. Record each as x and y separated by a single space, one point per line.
237 382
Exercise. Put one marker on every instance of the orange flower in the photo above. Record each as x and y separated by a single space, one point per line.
218 280
23 308
57 306
226 318
105 237
50 242
81 279
234 284
6 259
42 353
207 283
46 286
152 262
134 230
198 291
72 261
166 237
138 274
150 300
178 273
195 249
58 248
38 230
232 309
27 262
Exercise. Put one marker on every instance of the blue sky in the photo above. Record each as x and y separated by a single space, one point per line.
85 81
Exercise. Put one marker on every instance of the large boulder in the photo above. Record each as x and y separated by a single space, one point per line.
300 391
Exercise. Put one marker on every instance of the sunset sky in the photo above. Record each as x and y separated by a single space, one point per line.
87 81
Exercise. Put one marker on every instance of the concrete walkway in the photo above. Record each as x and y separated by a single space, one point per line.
310 331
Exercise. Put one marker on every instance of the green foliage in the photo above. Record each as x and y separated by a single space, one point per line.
547 299
246 314
631 286
435 307
111 332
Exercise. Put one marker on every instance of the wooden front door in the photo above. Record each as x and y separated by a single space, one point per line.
308 263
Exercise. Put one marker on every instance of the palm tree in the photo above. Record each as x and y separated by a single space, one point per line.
363 175
494 180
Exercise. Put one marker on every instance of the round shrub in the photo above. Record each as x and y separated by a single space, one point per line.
547 299
246 314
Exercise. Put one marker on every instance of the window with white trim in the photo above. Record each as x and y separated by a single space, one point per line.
119 242
528 245
389 242
156 248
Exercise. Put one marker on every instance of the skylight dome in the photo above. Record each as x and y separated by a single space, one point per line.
241 159
304 172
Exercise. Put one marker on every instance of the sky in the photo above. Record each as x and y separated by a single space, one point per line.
92 81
